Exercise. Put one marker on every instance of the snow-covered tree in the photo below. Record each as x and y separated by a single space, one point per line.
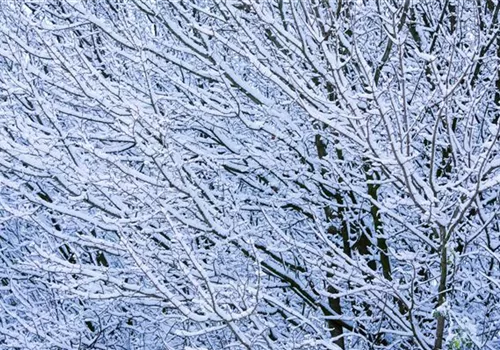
209 174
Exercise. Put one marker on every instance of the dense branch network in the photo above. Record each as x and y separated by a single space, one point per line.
249 174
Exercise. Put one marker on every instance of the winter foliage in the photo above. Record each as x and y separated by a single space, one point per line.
245 174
